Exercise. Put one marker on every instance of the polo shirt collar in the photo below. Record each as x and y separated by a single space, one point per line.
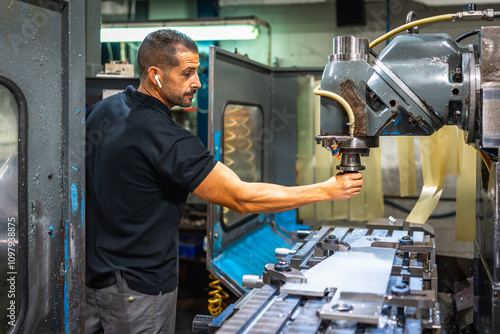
148 100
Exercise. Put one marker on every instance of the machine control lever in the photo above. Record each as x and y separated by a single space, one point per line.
281 253
252 281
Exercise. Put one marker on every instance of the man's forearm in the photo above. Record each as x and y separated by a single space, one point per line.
268 198
223 187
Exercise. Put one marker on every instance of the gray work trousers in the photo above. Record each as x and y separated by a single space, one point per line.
119 309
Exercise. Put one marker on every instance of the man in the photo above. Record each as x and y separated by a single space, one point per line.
141 166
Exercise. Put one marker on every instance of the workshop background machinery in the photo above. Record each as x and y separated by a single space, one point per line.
418 84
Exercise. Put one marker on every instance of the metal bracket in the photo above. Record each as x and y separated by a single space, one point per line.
340 247
272 275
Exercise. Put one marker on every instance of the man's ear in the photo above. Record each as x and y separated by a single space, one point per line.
155 75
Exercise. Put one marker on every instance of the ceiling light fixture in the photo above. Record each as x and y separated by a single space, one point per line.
205 29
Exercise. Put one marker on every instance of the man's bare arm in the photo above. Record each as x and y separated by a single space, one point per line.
223 187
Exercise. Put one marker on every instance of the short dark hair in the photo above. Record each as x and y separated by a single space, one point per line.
160 48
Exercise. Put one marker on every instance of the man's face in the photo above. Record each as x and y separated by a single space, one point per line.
181 83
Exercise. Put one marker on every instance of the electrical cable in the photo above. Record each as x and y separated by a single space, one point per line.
445 17
405 209
343 102
217 295
467 34
486 157
373 53
452 199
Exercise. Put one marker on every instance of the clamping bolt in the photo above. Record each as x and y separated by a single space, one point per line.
282 265
406 240
400 289
332 239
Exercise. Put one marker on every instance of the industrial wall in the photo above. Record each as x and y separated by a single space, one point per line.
302 33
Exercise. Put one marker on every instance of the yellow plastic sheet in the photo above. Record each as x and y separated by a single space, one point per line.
305 140
407 170
466 192
373 187
439 157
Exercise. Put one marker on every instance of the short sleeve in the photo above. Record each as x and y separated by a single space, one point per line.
186 161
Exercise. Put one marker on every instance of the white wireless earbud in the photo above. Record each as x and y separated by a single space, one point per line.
158 81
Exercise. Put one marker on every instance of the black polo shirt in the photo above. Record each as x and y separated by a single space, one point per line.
141 165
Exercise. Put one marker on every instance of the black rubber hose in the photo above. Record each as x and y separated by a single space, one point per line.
467 34
373 53
404 209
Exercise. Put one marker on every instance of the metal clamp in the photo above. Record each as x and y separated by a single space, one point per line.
274 274
338 247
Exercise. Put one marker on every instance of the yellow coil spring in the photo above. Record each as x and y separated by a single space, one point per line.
216 301
229 136
238 145
238 154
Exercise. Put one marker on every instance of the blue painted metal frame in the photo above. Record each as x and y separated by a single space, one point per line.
251 253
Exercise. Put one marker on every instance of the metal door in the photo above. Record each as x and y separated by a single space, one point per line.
42 148
253 130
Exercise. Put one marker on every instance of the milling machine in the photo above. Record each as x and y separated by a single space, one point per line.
382 278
